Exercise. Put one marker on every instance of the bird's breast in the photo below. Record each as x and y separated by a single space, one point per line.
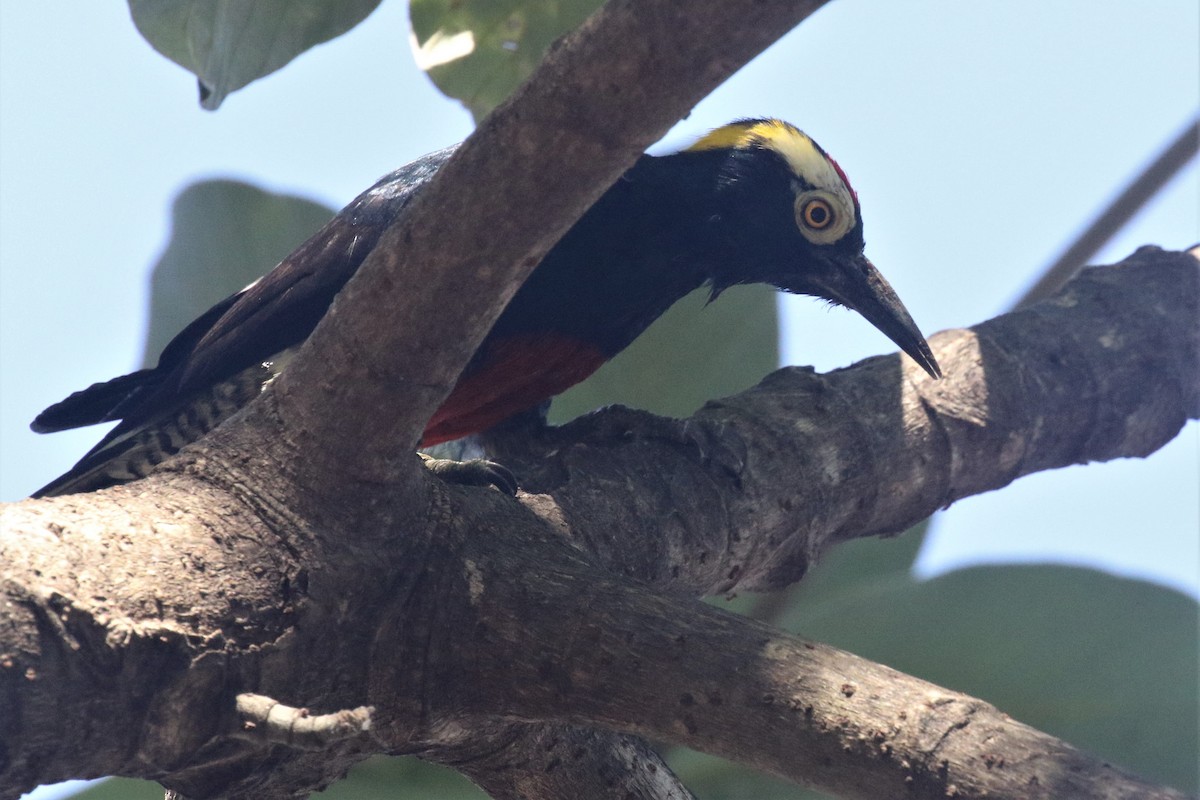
510 375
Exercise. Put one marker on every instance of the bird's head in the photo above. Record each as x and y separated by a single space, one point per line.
793 221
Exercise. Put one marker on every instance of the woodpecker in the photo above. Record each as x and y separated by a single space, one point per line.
755 201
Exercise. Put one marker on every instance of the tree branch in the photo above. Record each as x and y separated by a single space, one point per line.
589 650
159 602
754 487
289 555
447 268
266 719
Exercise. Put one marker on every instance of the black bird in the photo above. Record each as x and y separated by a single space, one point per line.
756 201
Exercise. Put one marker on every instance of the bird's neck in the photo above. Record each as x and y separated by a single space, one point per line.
652 238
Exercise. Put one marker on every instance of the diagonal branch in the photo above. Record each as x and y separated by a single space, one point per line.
156 603
752 488
1122 208
585 649
403 328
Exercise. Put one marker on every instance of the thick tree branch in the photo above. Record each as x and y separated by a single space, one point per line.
446 269
584 649
157 603
752 488
578 123
291 555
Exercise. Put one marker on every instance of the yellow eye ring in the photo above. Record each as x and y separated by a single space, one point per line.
817 214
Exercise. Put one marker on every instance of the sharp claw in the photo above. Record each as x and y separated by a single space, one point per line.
474 472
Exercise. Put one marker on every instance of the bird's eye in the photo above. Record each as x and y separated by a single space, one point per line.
817 214
822 216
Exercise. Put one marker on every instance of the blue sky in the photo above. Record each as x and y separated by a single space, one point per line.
980 136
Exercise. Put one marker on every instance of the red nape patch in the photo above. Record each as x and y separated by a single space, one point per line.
838 168
515 375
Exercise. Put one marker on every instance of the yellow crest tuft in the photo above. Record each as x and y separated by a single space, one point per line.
801 153
747 133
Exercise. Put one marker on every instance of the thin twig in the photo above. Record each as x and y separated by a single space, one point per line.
264 718
1122 209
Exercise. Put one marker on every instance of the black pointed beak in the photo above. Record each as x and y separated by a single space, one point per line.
861 287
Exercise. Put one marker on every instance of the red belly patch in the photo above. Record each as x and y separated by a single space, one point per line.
516 374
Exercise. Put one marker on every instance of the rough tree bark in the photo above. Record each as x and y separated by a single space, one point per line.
302 554
136 617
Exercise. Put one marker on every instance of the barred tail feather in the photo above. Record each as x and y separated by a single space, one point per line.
138 445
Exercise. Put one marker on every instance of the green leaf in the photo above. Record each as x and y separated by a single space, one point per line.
378 778
478 51
227 44
853 570
224 234
1106 663
693 353
121 789
712 778
387 778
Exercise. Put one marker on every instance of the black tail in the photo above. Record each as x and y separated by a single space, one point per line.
144 438
95 404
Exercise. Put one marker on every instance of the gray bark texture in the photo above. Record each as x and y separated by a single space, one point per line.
296 592
524 641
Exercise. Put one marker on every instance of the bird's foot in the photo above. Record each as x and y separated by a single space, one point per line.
473 472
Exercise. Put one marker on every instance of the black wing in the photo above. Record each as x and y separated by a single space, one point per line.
276 312
282 308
